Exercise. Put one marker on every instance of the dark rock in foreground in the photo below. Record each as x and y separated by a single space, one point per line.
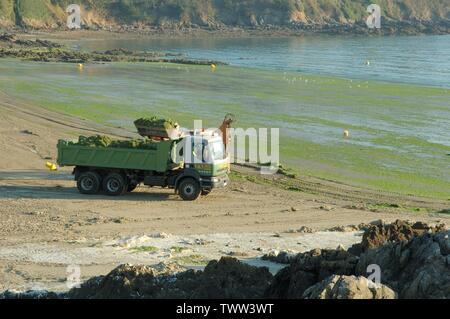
309 268
226 278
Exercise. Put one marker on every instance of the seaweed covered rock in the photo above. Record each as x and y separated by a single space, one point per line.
348 287
309 268
419 268
38 43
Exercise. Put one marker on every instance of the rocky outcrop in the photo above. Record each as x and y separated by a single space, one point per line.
413 258
419 268
348 287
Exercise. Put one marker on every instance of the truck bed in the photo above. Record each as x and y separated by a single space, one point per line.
158 160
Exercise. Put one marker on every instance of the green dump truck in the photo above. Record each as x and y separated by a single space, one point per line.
191 165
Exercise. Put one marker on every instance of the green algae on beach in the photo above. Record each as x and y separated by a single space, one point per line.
399 138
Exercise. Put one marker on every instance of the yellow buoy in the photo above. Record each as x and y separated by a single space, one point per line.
213 67
346 134
51 166
80 66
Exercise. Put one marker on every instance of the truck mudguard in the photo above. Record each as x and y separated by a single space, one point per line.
187 172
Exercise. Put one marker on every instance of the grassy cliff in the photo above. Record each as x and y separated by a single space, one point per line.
7 17
50 13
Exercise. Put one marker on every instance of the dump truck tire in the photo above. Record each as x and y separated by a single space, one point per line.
189 189
114 184
89 183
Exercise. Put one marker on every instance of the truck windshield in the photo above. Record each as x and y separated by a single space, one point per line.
217 150
208 152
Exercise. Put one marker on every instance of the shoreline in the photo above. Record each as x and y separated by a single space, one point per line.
38 50
174 31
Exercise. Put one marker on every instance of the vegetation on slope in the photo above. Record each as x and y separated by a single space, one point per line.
7 17
50 13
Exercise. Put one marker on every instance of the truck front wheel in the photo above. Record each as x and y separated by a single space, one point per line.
89 183
189 189
114 184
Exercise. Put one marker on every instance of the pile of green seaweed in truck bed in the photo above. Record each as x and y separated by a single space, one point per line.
154 122
106 141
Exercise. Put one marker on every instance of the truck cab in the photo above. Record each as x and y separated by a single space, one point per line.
202 157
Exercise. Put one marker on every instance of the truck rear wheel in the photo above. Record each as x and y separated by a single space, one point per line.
114 184
189 189
89 183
